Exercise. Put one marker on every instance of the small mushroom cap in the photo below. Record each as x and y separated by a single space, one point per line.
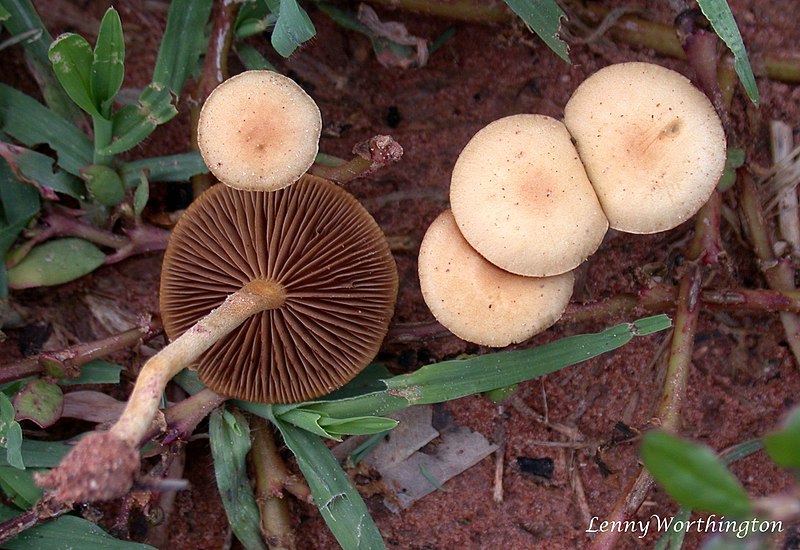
521 197
332 259
259 131
476 300
652 144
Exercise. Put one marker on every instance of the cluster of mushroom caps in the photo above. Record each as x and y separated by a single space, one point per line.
278 284
640 150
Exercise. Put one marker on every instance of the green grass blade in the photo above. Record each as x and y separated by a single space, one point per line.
31 123
694 476
719 15
132 124
544 18
459 378
95 372
19 201
292 28
108 64
23 20
38 168
180 167
182 44
65 533
4 13
230 443
339 503
672 539
19 486
71 56
252 59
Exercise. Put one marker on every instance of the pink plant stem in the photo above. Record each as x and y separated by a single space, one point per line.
72 358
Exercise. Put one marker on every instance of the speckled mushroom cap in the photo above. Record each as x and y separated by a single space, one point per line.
521 197
476 300
652 144
331 257
259 131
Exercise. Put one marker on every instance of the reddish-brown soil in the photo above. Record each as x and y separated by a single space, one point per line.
743 378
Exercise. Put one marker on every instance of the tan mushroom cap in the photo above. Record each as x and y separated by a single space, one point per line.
476 300
327 252
522 199
652 144
259 131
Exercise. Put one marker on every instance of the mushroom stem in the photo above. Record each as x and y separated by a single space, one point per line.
254 297
103 465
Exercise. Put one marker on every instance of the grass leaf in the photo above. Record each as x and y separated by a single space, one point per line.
783 446
230 443
182 44
71 56
55 262
24 20
292 28
19 486
544 18
132 124
693 475
719 15
31 123
38 169
339 503
108 65
98 371
180 167
65 533
40 454
141 195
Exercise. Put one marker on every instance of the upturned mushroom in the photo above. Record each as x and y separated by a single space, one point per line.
476 300
652 144
259 131
521 197
281 296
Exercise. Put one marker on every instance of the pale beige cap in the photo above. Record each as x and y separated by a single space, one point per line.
259 131
476 300
522 199
652 144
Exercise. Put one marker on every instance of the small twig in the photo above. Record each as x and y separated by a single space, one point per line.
782 141
215 71
269 473
499 456
371 155
47 508
67 362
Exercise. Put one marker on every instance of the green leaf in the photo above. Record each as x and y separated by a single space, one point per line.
4 13
31 123
253 18
230 443
544 18
142 194
180 167
38 169
55 262
783 446
672 539
292 28
334 428
71 56
132 124
39 454
23 21
108 65
693 475
182 44
104 184
40 402
10 433
339 503
19 486
95 372
65 533
20 201
734 160
719 15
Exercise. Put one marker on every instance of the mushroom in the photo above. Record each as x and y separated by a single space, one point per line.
522 199
282 296
652 144
476 300
259 131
